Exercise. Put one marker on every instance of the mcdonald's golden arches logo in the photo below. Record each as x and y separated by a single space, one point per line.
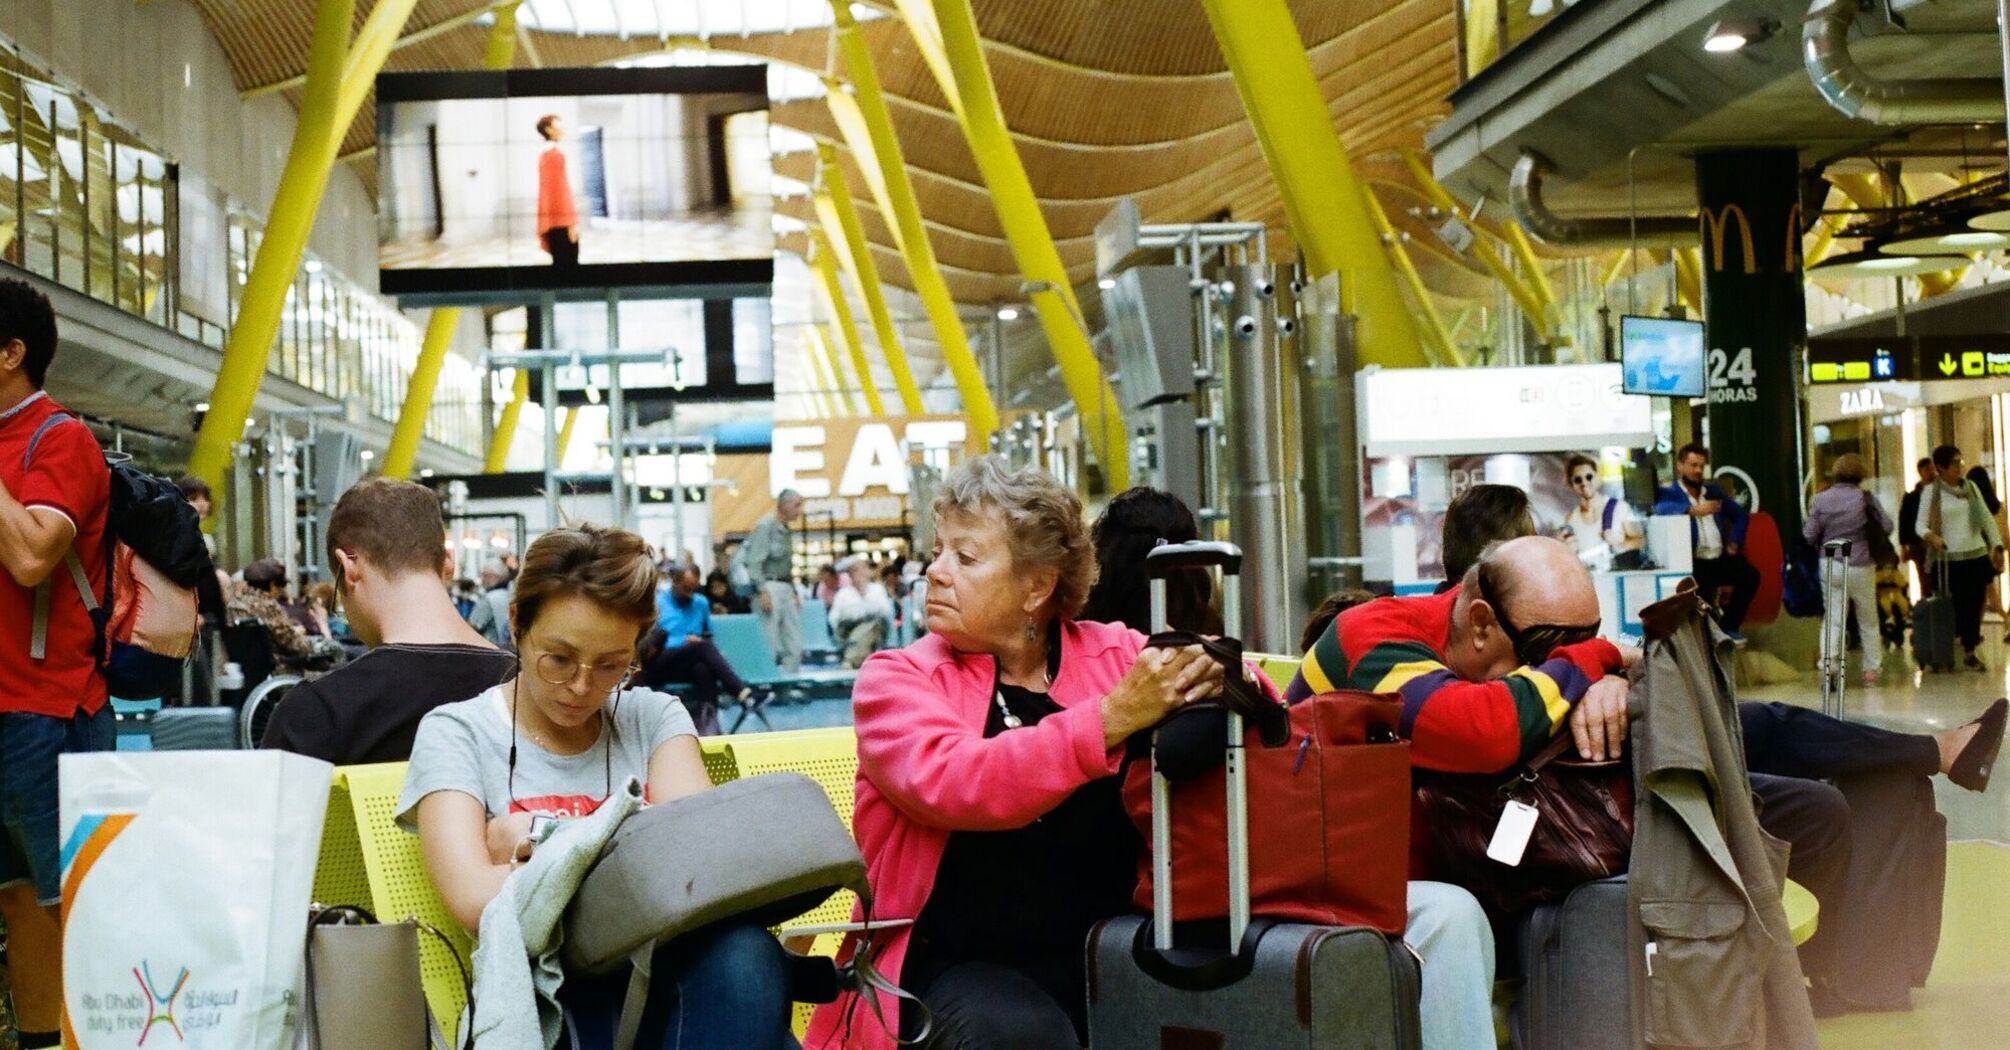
1712 225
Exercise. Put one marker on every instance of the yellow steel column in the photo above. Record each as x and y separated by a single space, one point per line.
833 405
499 443
842 397
836 196
1523 295
1325 201
404 448
1434 326
292 217
824 261
565 429
946 33
868 130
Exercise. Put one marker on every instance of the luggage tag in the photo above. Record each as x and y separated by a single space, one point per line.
1511 835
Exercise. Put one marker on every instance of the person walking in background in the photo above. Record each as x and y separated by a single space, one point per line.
770 557
1908 516
1847 511
1717 531
557 216
1959 533
491 611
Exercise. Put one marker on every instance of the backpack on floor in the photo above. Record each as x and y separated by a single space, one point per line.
146 618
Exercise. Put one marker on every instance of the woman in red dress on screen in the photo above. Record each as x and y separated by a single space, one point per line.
557 218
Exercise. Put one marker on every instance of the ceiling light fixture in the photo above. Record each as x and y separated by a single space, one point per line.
1943 239
1008 313
1853 266
1998 220
1107 283
1737 31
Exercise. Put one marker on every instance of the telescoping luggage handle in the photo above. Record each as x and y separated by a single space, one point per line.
1835 623
1158 564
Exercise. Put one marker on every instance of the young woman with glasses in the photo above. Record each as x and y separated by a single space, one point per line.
488 774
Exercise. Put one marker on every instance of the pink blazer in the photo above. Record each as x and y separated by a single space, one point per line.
925 769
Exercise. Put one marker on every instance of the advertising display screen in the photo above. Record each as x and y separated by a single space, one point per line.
1662 356
527 180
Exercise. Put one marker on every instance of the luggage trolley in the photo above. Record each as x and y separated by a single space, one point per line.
1835 625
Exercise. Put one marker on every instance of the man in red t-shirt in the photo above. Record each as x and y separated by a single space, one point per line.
54 488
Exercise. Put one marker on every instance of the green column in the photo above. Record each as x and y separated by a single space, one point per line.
1755 323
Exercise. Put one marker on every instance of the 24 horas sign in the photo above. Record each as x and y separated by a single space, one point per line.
855 471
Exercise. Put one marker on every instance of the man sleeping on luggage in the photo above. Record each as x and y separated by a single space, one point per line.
1487 669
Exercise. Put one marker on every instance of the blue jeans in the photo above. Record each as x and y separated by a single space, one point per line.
29 747
721 988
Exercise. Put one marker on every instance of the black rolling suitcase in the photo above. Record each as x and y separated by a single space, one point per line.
1284 985
1574 974
1933 625
1888 926
195 729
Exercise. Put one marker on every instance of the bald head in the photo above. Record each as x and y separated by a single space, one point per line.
1519 591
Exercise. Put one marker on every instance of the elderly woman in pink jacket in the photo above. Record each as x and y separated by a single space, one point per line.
987 801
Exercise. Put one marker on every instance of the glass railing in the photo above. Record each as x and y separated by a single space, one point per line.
85 203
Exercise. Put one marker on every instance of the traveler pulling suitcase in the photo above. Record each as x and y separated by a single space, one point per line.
1835 625
1933 625
1573 968
1281 985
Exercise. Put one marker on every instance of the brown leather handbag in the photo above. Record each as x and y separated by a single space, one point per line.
1584 831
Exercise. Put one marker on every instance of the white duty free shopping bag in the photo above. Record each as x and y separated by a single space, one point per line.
186 884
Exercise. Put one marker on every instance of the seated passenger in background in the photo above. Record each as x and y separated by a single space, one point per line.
1446 925
988 802
680 651
262 598
387 554
860 612
1134 522
1480 516
554 742
719 592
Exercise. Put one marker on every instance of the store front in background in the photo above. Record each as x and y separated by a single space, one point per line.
858 478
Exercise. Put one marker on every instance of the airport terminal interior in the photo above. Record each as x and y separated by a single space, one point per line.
830 330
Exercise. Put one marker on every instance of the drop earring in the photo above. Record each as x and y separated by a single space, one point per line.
1030 633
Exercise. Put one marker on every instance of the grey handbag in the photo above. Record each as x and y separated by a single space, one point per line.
363 988
765 848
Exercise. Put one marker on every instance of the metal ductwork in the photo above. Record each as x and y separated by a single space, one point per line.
1525 197
1855 93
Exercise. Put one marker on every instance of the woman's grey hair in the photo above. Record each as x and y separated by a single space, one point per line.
1043 523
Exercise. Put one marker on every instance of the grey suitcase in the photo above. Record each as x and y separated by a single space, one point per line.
195 729
1574 975
1933 627
1286 985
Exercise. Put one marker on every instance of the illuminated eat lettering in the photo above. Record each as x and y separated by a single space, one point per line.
796 461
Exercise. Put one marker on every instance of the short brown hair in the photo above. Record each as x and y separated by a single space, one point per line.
1043 523
394 526
1482 515
609 567
544 124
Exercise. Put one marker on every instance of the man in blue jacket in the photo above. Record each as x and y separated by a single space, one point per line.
1716 534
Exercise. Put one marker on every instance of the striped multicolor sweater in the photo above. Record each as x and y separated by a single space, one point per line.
1397 645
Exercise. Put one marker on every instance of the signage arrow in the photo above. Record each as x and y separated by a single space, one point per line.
1947 365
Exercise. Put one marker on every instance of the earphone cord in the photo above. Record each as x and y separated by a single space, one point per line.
606 744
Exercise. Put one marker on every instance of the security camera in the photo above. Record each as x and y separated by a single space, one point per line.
1245 326
1287 326
1266 289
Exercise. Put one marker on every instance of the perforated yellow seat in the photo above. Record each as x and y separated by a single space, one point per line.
1278 668
367 861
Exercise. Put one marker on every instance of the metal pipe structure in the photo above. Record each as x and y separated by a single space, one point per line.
1258 515
617 414
1855 93
835 206
547 362
1525 197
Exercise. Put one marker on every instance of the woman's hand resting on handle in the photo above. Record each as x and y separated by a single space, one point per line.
1159 683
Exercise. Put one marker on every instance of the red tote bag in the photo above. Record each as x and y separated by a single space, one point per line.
1329 820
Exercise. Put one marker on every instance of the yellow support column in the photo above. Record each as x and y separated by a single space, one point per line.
824 261
819 345
403 452
505 435
946 33
868 129
1526 297
827 397
835 203
311 157
1324 200
565 429
1441 340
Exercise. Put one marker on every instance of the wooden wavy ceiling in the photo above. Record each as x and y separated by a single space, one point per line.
1105 98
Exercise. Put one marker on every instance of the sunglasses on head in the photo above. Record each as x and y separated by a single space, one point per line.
1532 644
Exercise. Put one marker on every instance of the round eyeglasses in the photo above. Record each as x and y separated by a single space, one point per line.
558 669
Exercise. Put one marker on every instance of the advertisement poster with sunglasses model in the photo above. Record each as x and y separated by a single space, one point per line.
1403 490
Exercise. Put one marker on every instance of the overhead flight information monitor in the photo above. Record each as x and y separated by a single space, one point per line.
1661 356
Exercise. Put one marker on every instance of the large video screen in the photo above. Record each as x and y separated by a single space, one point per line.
1662 356
527 180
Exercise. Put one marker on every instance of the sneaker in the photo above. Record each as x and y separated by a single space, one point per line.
1973 662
